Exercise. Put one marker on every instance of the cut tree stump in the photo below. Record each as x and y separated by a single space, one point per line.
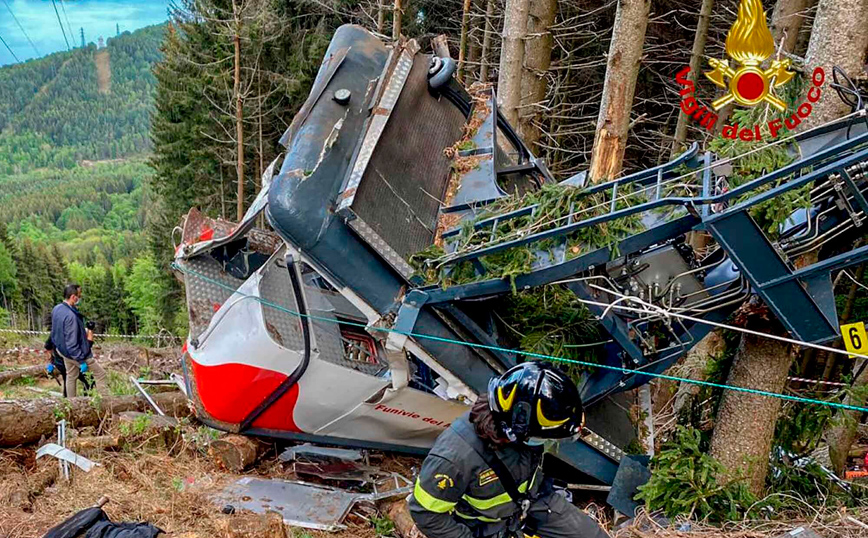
26 421
143 430
236 452
398 512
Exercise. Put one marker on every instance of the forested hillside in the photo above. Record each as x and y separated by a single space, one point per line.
59 111
73 144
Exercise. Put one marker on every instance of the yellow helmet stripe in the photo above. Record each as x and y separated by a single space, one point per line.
506 403
543 421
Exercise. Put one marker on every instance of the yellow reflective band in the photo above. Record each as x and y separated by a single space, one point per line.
479 518
543 421
506 403
430 502
488 504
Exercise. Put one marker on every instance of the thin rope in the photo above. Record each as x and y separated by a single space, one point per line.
525 353
851 277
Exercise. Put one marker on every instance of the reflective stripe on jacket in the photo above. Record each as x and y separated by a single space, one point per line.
457 492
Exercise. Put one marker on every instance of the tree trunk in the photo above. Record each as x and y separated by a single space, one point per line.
696 54
842 433
397 13
537 60
787 20
837 38
512 59
30 371
745 423
381 16
485 55
239 114
26 421
462 46
622 70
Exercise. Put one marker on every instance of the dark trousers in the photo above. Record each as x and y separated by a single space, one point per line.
552 516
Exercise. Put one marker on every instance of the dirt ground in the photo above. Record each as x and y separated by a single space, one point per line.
168 478
171 486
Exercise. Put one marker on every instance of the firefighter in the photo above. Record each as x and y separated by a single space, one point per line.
483 477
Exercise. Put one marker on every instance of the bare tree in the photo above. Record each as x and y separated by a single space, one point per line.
537 60
462 47
397 13
512 58
622 70
695 65
485 54
239 109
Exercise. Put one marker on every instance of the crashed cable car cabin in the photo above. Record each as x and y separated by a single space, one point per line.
318 331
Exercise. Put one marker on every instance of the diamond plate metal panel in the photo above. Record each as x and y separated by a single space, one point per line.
276 288
379 244
205 298
382 112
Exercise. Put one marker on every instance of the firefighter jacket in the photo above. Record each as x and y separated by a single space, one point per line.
458 495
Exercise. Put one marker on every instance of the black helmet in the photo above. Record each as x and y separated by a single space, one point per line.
535 399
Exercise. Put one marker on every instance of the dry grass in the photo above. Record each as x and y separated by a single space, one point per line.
827 523
173 493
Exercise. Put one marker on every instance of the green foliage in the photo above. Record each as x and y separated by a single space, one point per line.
551 320
143 286
57 115
685 480
135 427
25 381
555 203
766 158
383 526
119 385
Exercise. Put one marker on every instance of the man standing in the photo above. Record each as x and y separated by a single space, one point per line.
73 342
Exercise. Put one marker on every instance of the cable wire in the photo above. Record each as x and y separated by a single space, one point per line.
22 28
71 34
623 370
9 49
54 3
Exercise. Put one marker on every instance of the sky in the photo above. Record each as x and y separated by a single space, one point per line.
97 17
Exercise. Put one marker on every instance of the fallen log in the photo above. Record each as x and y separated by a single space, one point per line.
13 375
25 421
236 452
89 445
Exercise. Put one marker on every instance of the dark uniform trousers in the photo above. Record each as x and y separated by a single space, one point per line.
457 494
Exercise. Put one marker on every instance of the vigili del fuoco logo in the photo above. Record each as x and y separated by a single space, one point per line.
749 43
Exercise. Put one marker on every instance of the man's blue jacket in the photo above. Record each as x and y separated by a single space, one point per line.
68 334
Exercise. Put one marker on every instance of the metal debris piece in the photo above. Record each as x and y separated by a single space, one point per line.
309 451
147 396
301 504
800 532
64 454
